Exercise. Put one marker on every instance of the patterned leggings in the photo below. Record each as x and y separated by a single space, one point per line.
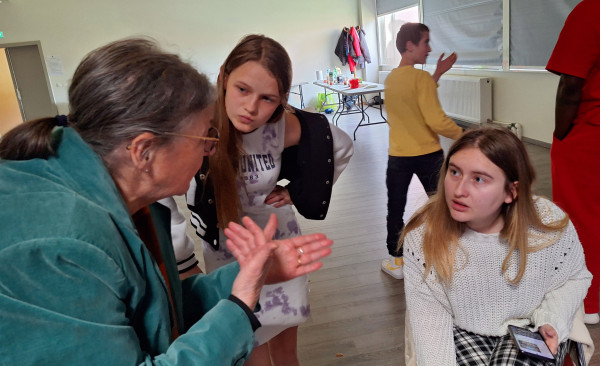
474 349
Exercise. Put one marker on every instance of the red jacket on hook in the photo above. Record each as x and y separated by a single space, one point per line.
351 48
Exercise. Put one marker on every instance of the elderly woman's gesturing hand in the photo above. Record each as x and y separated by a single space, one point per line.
253 249
291 258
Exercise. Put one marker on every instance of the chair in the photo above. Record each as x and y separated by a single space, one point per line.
580 347
575 354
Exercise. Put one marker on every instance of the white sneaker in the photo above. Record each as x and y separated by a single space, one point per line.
591 318
394 266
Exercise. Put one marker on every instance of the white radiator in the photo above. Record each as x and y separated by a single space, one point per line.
382 75
467 98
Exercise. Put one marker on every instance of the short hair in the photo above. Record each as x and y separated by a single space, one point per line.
409 32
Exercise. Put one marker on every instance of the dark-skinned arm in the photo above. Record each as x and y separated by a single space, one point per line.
568 98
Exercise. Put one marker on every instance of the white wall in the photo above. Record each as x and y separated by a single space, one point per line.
368 21
204 31
525 97
201 31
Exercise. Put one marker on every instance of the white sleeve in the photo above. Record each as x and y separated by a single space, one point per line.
561 303
343 149
183 245
428 309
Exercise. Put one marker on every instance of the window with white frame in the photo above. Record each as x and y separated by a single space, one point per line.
496 34
388 26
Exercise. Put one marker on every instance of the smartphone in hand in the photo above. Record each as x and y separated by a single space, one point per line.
530 343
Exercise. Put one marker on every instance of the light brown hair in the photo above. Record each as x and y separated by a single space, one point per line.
440 240
224 164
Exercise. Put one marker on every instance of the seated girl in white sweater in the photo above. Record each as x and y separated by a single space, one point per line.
484 253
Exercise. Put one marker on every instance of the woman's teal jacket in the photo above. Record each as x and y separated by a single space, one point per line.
78 286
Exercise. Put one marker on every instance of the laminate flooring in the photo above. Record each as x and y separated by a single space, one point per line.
357 310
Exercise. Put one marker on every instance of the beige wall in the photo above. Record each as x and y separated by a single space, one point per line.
10 114
525 97
202 31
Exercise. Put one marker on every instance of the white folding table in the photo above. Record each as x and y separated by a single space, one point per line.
360 106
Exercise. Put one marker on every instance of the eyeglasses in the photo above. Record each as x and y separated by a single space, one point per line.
210 140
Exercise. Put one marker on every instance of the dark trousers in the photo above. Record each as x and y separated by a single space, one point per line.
399 173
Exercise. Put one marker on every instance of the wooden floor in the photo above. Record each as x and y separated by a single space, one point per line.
357 310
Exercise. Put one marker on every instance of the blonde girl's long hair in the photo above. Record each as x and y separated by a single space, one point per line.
442 232
224 164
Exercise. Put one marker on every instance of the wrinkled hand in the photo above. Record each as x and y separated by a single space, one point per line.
253 248
292 257
550 336
444 65
279 197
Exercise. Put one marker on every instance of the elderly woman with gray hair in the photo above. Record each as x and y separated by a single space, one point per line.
89 275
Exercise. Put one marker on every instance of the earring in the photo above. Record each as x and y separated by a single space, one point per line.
128 147
147 170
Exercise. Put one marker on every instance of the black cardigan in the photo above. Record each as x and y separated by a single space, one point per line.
308 167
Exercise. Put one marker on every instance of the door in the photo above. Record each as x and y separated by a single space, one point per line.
10 111
30 81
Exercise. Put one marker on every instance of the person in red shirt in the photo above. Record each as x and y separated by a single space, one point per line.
575 153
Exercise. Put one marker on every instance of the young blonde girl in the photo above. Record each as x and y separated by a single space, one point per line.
485 253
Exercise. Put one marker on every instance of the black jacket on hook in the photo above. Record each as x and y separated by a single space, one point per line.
344 48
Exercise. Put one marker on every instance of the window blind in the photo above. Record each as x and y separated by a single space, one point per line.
534 29
389 6
471 28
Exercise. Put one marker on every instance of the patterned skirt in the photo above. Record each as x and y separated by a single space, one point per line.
474 349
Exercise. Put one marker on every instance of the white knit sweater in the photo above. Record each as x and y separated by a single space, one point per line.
481 300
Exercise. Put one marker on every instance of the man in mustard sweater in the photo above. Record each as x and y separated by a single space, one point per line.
416 119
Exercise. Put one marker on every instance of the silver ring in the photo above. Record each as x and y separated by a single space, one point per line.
300 251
